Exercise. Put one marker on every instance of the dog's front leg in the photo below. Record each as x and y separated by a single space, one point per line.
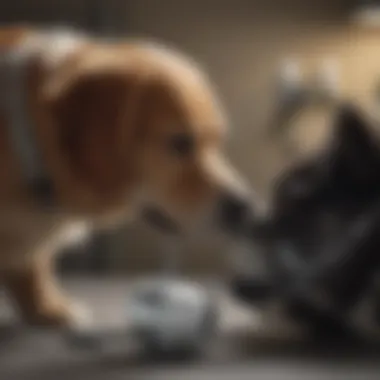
38 297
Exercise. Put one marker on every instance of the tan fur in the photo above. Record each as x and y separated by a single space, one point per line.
104 115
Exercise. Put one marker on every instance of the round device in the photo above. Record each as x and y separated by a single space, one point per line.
169 315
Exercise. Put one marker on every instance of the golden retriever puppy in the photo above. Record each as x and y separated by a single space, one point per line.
114 128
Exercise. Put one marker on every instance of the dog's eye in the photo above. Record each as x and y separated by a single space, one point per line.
181 145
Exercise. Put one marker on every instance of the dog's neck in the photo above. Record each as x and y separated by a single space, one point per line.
48 50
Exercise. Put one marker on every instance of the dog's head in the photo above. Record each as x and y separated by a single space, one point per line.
138 126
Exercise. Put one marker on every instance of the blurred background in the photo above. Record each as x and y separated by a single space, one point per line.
245 45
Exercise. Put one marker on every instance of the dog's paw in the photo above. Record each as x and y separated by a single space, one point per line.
80 317
65 314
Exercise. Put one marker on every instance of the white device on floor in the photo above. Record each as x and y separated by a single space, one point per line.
171 315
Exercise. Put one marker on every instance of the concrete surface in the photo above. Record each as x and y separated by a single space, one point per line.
242 350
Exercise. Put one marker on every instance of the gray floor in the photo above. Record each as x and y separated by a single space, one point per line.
241 351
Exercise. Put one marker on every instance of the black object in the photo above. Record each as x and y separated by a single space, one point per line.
160 220
322 240
253 290
42 188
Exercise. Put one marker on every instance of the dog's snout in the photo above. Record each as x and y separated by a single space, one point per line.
236 212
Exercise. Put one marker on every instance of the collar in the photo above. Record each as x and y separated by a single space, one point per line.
14 71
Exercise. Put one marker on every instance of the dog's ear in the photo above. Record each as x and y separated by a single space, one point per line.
95 116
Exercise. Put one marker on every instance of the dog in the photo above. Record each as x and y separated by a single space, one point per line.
93 133
322 237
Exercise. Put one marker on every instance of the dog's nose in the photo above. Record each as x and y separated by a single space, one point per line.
236 212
